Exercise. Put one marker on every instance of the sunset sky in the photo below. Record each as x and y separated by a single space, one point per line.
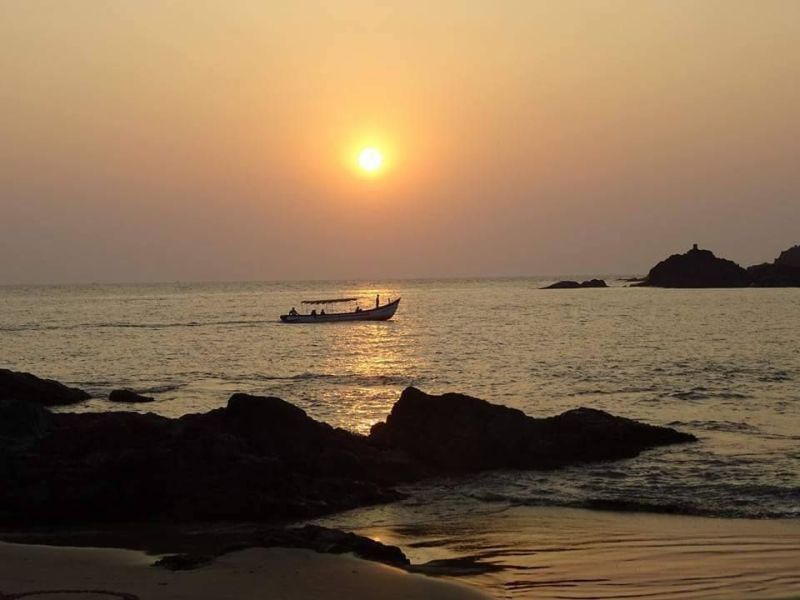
198 140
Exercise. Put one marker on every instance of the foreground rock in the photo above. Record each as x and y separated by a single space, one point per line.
128 397
263 459
259 459
46 392
571 285
311 537
697 269
454 432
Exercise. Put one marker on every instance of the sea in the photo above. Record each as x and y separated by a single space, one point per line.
722 364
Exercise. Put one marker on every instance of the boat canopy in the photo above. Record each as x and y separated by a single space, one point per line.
329 301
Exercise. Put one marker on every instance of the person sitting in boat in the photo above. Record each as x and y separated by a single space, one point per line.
377 300
313 312
358 309
322 312
293 311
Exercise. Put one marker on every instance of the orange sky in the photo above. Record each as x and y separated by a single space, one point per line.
199 140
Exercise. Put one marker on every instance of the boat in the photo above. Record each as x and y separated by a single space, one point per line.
379 313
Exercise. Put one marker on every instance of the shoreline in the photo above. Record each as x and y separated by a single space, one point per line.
547 552
291 574
537 552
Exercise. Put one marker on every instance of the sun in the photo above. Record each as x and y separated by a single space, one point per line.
370 160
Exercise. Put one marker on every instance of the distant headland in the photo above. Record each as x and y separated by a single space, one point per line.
699 268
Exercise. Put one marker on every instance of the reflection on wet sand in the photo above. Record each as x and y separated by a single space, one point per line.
539 552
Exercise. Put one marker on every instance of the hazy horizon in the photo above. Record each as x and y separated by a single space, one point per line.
152 142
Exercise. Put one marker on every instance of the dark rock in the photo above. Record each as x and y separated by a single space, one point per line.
571 285
264 460
697 269
784 271
129 397
259 459
790 257
311 537
594 283
183 562
21 419
562 285
24 386
332 541
454 432
22 425
775 275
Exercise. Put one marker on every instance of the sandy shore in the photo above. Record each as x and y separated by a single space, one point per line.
45 572
552 552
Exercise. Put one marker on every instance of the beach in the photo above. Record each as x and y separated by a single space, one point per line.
45 572
551 552
515 553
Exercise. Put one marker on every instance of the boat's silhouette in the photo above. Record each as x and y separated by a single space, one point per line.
379 313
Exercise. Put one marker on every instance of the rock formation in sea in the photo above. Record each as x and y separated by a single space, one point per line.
263 459
129 397
46 392
454 432
697 269
571 285
784 271
790 257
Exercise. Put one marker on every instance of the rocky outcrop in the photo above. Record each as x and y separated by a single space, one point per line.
454 432
784 271
263 459
128 397
46 392
258 459
790 257
311 537
697 269
571 285
774 275
20 419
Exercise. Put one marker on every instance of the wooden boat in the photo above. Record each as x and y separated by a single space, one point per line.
380 313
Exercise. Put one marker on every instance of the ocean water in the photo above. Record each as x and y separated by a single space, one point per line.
721 364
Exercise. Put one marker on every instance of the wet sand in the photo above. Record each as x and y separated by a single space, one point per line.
546 552
47 572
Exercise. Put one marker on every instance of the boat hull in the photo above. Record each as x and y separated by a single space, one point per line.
382 313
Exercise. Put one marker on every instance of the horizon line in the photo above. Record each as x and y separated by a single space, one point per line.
313 280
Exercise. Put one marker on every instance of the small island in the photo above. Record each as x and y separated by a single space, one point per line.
572 285
700 268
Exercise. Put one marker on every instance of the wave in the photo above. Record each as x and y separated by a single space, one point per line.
624 390
332 378
732 426
730 509
125 325
161 389
695 393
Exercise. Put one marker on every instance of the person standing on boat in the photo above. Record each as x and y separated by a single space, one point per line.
377 300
